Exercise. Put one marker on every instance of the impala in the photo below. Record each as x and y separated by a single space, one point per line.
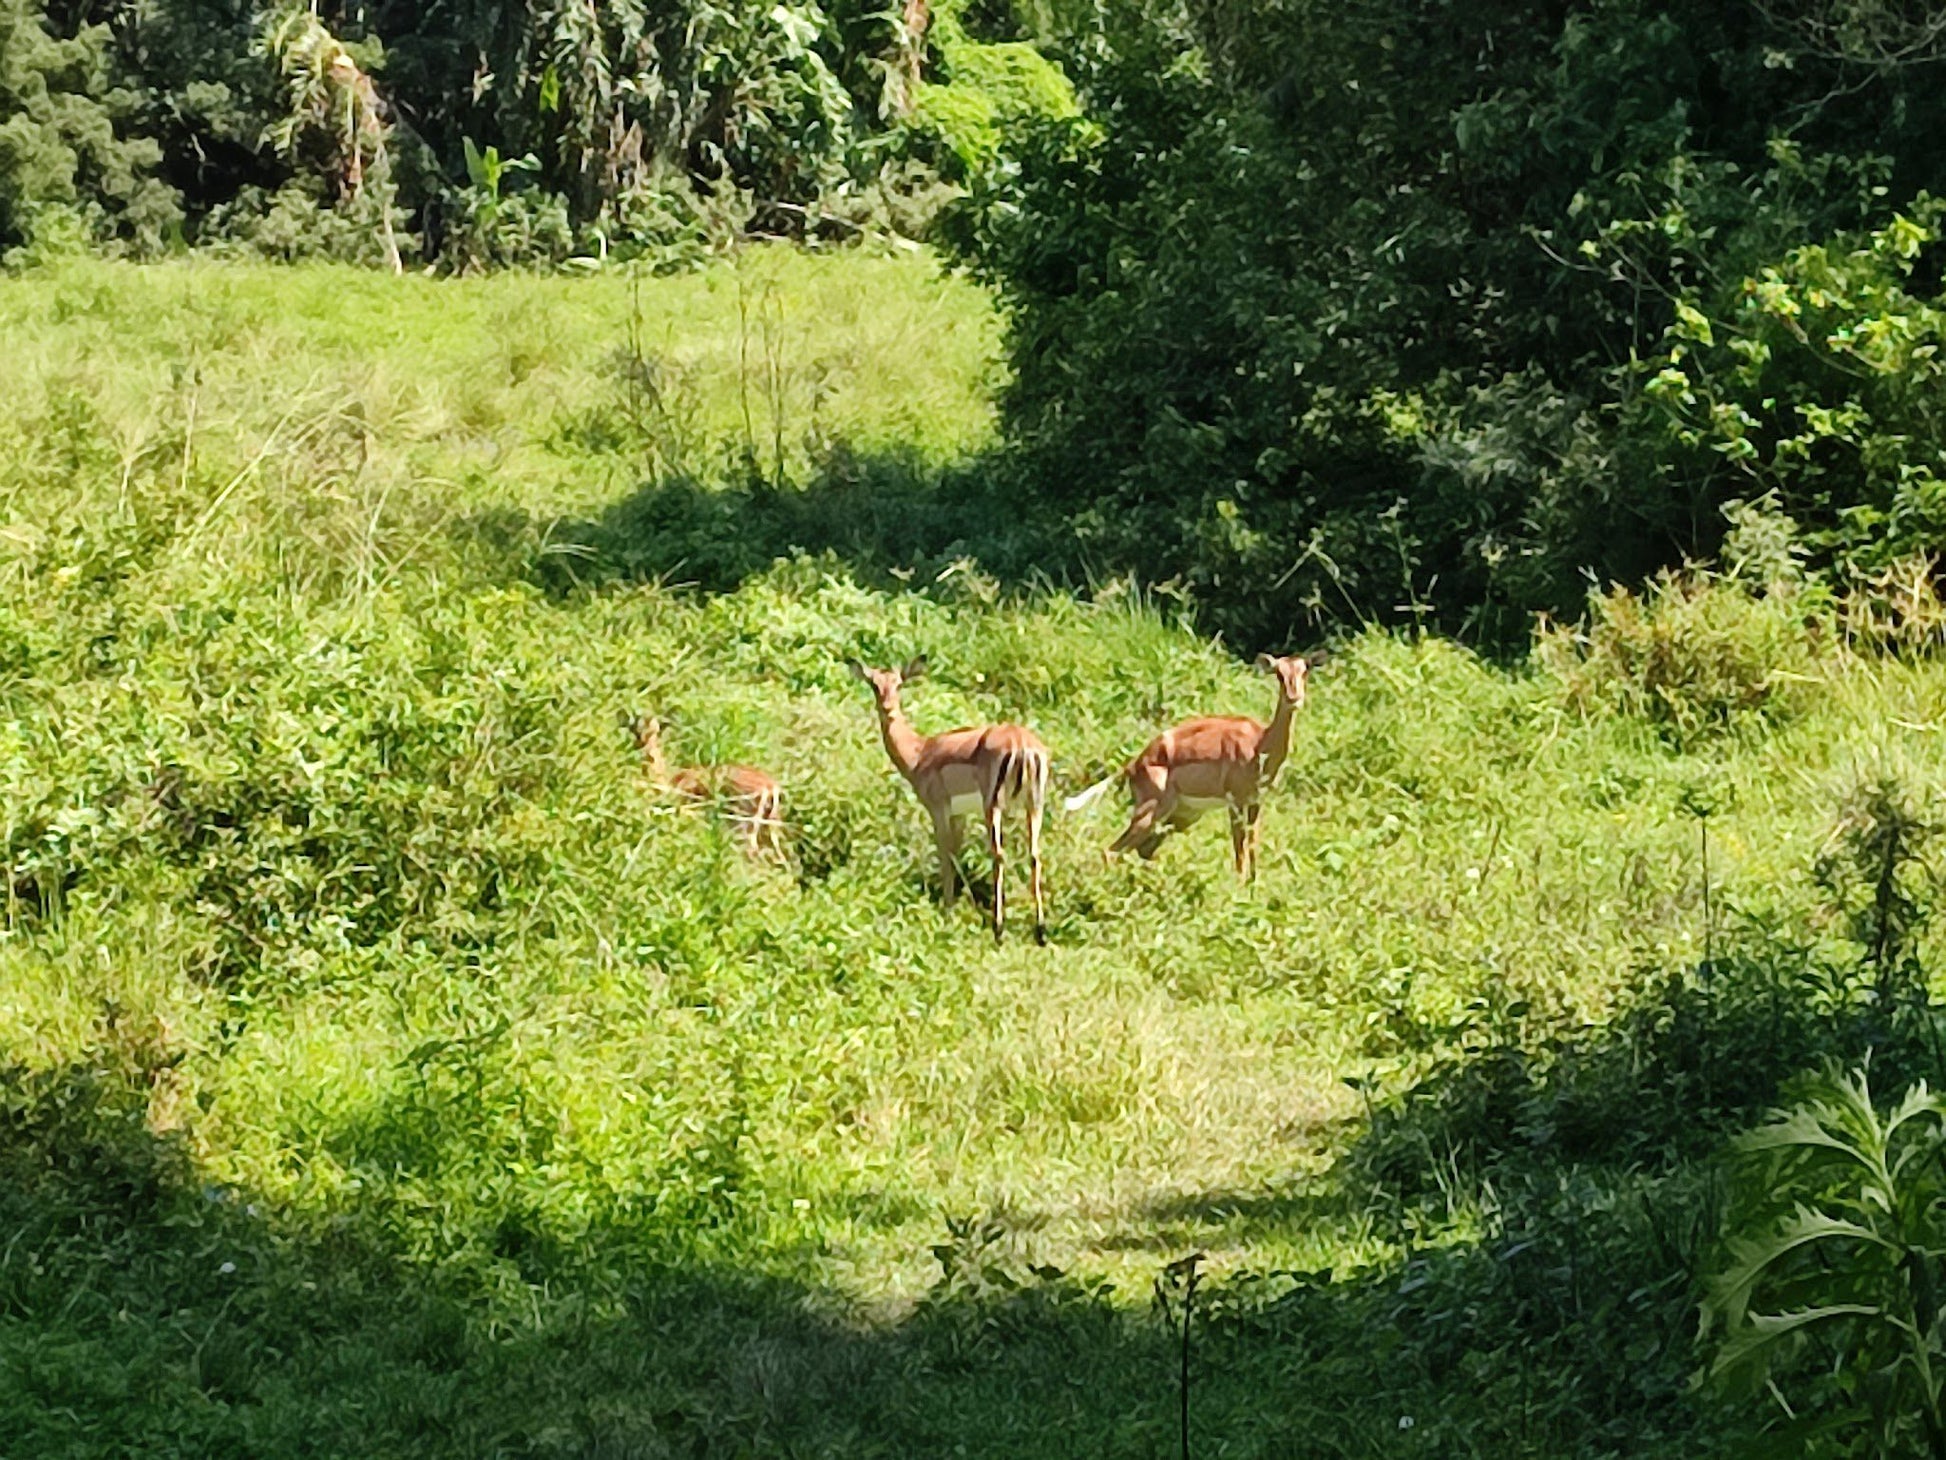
1219 760
754 799
978 769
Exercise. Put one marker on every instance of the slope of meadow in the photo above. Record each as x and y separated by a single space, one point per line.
384 1067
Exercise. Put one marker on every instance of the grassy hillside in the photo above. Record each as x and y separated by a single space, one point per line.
384 1068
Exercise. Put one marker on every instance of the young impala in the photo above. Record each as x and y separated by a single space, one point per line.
754 799
961 771
1220 760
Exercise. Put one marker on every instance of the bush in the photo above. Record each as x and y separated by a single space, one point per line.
986 92
1820 377
1695 653
300 222
1241 364
66 156
1898 609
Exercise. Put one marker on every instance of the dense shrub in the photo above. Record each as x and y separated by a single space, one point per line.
353 132
1691 653
985 93
71 172
1336 313
1818 380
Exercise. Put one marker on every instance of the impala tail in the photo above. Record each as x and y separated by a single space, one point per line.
1094 793
1021 771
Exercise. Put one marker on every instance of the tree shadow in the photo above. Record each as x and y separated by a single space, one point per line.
1558 1203
889 517
146 1307
1700 1054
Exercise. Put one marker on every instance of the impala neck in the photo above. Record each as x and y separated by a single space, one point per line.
902 742
654 760
1276 743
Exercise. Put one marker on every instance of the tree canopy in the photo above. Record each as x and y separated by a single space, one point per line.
1399 308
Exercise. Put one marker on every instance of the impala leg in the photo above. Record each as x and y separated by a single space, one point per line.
1150 791
775 826
1151 823
767 834
1252 834
1144 831
945 836
1036 803
996 845
1239 842
1139 828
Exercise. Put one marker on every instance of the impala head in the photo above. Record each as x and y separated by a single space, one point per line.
1292 671
885 682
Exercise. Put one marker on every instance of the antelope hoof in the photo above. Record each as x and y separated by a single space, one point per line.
1040 934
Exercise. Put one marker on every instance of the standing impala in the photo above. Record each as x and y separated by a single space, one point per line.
961 771
1219 760
753 797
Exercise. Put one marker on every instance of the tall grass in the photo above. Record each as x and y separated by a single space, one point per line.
375 1042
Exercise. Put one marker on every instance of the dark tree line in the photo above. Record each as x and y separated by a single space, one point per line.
472 132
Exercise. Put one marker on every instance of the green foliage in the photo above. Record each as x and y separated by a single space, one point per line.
1693 654
70 170
1699 652
1829 1288
987 92
1819 383
656 132
498 227
1874 868
1243 365
305 221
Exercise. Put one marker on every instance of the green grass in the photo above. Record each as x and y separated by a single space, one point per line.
384 1068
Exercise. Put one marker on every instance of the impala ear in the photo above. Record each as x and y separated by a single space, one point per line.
1317 657
1267 663
857 670
915 668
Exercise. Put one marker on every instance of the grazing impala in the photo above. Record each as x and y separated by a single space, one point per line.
1220 760
962 771
754 799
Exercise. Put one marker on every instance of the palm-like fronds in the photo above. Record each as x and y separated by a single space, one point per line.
1832 1274
329 95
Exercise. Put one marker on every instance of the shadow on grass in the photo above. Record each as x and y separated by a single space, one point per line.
146 1309
1558 1204
1701 1054
1553 1206
888 518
